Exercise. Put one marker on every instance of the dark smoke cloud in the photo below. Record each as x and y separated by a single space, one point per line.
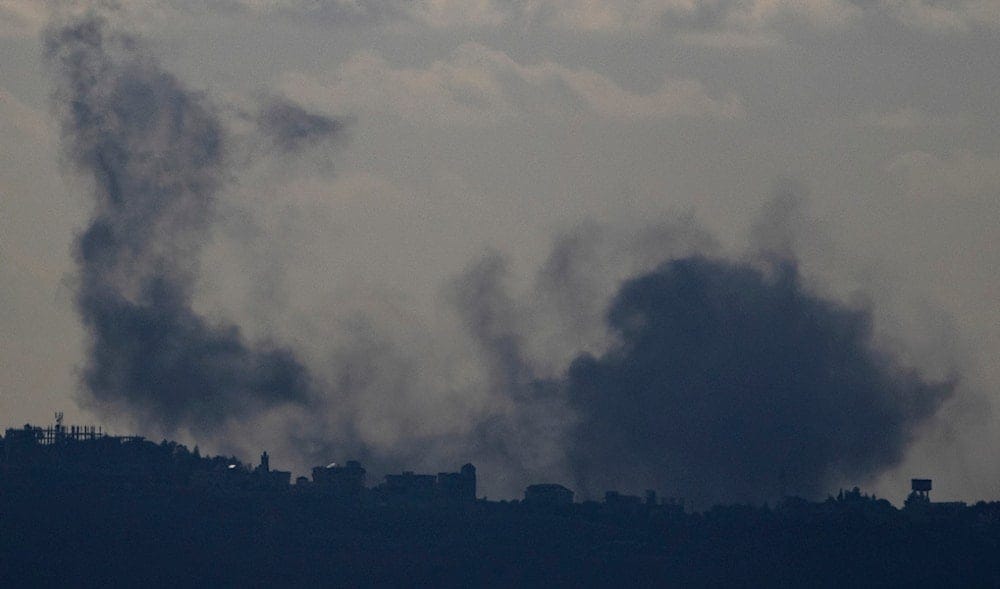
291 128
719 381
584 270
730 383
156 153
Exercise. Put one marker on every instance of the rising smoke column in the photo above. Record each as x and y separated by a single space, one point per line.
157 156
732 384
523 433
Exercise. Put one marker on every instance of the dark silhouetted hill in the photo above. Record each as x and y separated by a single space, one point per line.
128 512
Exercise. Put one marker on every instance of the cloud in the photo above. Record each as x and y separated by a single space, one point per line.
436 14
580 16
480 86
953 16
962 175
711 23
16 117
605 17
716 18
22 18
906 118
458 13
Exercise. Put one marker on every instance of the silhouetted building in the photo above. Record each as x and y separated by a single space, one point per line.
274 479
18 442
548 494
617 499
410 487
920 500
458 486
60 455
223 478
344 482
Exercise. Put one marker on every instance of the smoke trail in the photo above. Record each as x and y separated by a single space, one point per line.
157 156
729 384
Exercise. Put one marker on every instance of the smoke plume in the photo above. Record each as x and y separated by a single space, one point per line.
711 379
525 432
730 383
157 157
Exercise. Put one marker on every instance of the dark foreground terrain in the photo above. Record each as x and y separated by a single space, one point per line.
133 513
94 537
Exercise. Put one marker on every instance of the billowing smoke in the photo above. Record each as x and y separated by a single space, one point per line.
731 383
157 156
712 380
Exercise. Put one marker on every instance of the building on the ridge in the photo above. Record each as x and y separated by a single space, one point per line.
409 487
277 479
920 499
618 499
548 494
343 482
85 454
59 454
445 488
458 486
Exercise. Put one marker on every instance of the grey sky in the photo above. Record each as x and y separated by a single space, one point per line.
503 126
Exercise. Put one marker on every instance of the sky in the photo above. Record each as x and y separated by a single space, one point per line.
420 232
